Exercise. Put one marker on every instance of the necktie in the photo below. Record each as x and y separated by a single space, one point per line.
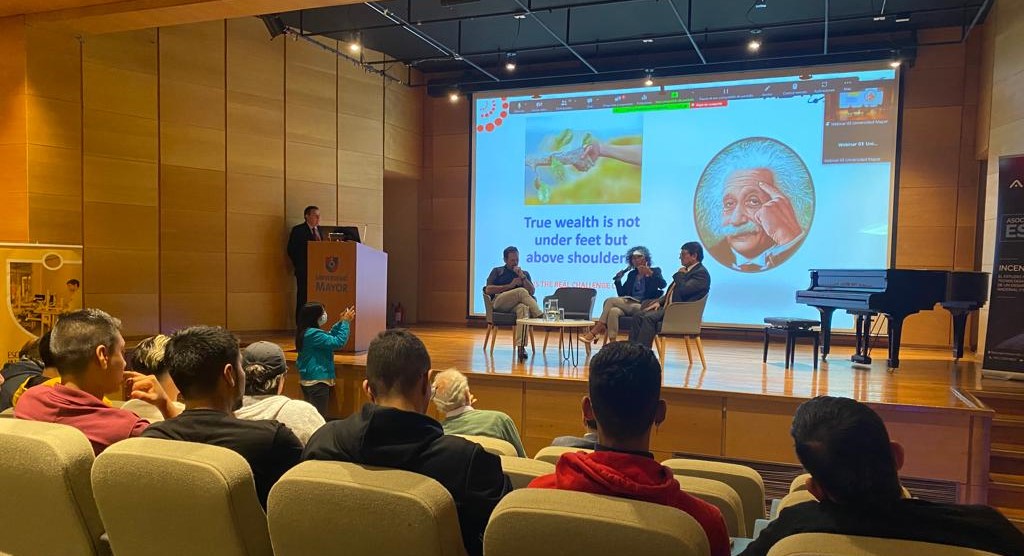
316 233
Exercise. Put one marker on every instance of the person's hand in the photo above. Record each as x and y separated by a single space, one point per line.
519 272
348 314
645 271
619 275
472 399
653 306
588 158
516 282
777 217
148 389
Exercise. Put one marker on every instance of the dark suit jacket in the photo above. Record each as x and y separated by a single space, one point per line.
692 285
652 288
297 240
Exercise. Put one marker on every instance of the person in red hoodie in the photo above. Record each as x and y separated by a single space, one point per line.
625 401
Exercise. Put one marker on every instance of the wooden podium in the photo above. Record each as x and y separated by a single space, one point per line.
344 274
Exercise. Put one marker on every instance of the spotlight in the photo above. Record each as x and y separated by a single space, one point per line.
274 25
895 63
649 81
510 61
755 40
354 46
453 96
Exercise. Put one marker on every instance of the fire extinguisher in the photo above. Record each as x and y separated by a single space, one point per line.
399 314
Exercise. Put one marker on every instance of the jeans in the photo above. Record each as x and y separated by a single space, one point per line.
319 395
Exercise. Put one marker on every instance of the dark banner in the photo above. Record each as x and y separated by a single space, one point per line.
1004 343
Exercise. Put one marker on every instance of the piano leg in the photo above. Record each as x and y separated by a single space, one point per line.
959 325
826 330
863 327
895 333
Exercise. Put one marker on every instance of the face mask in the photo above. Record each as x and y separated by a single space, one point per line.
323 319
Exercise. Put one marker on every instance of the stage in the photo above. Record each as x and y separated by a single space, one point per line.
738 408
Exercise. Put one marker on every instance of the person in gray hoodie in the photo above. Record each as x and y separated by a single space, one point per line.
265 371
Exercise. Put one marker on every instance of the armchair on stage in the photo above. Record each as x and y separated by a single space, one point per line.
683 319
349 274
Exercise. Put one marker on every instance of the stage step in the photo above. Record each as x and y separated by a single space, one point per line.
1007 459
1008 429
1005 403
1006 491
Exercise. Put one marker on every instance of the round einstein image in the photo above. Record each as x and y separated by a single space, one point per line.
754 204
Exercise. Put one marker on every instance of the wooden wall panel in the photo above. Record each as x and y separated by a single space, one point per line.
193 188
119 129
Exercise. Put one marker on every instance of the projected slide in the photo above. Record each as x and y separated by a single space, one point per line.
772 174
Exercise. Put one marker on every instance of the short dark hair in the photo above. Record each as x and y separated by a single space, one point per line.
308 317
45 354
695 249
74 282
30 350
625 387
843 444
309 209
76 335
196 356
507 251
396 361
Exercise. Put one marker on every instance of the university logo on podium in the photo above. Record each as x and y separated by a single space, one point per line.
331 264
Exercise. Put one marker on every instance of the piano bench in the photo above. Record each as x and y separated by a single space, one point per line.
792 328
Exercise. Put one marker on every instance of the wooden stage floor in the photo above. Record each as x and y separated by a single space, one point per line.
926 377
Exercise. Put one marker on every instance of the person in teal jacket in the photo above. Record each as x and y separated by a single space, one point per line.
316 352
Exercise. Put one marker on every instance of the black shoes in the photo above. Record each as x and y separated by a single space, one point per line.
522 353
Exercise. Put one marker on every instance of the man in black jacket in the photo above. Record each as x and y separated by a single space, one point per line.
643 283
853 465
394 431
300 235
690 283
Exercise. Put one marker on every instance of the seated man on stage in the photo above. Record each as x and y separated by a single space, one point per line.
854 475
643 283
690 283
625 401
511 290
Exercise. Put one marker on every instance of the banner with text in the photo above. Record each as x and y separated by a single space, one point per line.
1004 342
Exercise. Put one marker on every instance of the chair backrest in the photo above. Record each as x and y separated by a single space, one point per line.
523 470
145 410
7 413
205 495
684 318
543 522
577 302
44 470
747 482
332 507
495 446
488 307
829 544
721 496
794 498
551 454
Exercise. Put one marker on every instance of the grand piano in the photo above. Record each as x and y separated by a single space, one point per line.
897 294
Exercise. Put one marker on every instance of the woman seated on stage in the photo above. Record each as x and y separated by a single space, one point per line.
643 284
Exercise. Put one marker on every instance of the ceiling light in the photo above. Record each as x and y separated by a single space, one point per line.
760 4
895 63
510 61
520 16
755 40
648 41
902 19
354 46
453 96
649 82
879 18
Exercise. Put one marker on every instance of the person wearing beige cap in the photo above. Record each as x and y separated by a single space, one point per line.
643 284
265 371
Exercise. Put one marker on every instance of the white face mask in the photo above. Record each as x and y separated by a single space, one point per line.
323 319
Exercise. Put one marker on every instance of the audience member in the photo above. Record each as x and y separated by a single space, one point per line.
145 359
316 352
206 364
265 371
89 352
453 399
588 440
15 373
625 402
393 431
845 447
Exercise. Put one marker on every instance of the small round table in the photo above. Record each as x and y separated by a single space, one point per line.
569 350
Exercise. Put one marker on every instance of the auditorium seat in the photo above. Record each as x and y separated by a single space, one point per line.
721 496
44 477
793 499
332 507
495 446
542 522
202 497
523 470
145 410
683 319
7 413
496 319
828 544
551 454
747 482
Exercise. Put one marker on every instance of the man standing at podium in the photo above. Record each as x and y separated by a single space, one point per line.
305 232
